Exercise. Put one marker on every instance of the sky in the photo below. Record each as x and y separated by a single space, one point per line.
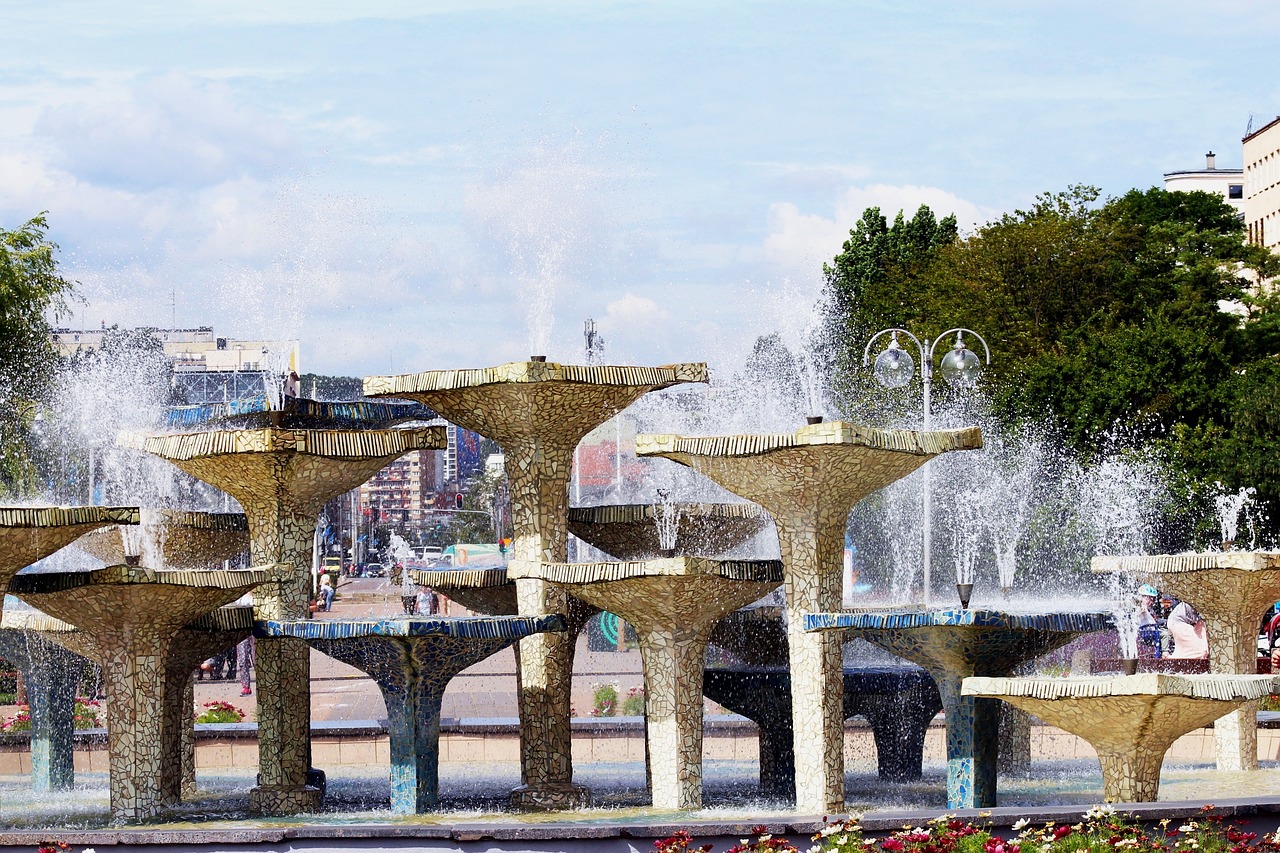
409 186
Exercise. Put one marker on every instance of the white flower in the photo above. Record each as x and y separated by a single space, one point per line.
1021 823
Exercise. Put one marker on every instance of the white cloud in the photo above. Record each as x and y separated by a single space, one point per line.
799 241
174 131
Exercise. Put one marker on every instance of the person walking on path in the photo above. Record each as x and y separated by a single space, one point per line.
244 662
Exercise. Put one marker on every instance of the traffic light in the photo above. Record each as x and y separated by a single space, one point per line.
457 501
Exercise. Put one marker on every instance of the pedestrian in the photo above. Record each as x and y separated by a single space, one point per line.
1189 638
244 662
326 592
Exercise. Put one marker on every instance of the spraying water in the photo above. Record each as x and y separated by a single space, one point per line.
667 516
1229 508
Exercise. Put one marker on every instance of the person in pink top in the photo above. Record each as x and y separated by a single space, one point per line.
1187 628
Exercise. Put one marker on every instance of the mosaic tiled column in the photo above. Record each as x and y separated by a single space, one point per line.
809 481
537 411
282 478
52 675
672 603
953 645
132 616
1130 720
28 534
412 661
1231 590
198 641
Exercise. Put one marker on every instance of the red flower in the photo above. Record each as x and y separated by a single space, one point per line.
1061 832
891 844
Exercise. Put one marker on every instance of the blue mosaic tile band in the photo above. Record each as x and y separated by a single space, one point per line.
461 627
299 411
1066 621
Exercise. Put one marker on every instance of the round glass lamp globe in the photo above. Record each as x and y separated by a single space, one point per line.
894 367
961 367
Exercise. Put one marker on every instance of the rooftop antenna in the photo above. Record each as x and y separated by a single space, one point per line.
173 304
594 341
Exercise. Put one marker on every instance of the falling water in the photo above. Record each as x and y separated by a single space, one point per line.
667 516
1124 609
1229 507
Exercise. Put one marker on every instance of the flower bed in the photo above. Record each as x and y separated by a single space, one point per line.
1102 830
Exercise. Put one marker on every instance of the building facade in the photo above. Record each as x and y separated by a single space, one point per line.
405 492
1228 183
1262 185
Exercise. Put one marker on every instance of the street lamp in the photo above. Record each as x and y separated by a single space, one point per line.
894 368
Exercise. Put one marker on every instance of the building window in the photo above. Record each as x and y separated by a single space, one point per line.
1235 191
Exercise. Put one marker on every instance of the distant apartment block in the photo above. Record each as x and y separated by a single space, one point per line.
1227 183
207 368
405 492
1262 185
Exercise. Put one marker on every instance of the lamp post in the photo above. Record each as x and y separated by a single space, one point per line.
894 368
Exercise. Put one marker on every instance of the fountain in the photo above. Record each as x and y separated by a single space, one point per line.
282 476
538 411
1131 720
809 481
633 531
412 660
52 674
672 602
131 616
28 534
1231 590
172 539
953 645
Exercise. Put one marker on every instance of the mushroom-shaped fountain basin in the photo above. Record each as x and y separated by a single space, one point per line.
412 661
1231 590
172 539
809 480
282 478
488 590
538 411
953 645
630 531
52 674
673 604
1131 720
132 615
28 534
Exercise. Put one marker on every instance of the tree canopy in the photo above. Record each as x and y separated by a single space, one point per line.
1103 316
32 291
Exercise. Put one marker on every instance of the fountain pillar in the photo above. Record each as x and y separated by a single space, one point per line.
809 481
817 676
282 533
538 476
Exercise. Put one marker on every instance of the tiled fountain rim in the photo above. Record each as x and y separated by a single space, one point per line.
232 617
335 444
977 617
1249 561
65 516
233 521
525 372
487 578
623 513
1261 813
46 582
829 432
1219 687
462 627
762 571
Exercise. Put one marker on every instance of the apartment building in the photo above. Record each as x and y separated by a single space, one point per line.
1262 185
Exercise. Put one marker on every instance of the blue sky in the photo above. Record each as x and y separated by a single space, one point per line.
409 186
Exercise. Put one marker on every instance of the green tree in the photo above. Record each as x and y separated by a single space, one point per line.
1104 318
32 292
